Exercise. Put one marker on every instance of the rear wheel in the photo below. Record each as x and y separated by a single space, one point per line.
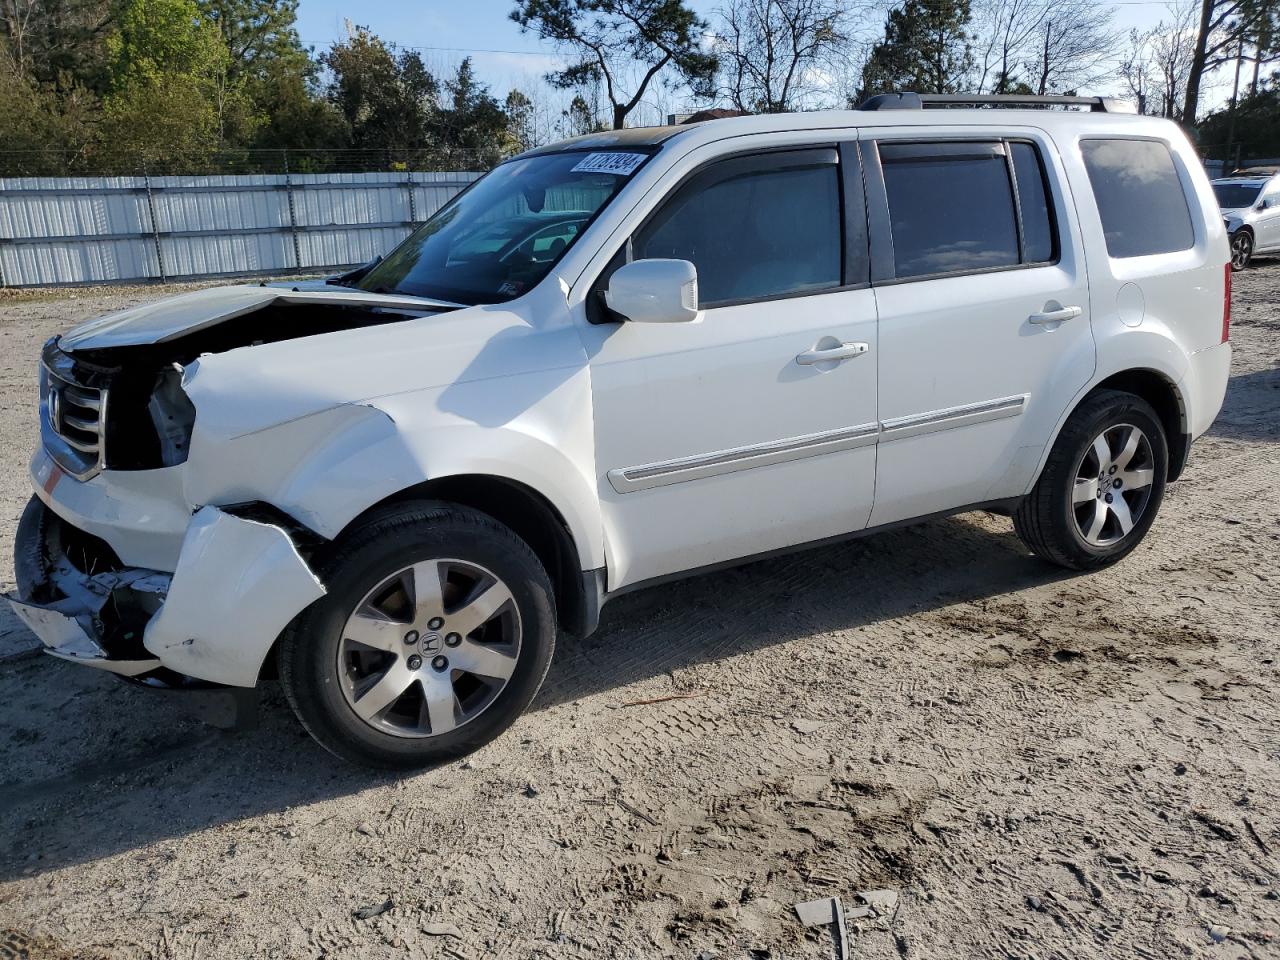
1241 249
1101 486
435 634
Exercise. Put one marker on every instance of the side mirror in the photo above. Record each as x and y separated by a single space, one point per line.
654 291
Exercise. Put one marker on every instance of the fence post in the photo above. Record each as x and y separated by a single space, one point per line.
413 205
155 229
293 216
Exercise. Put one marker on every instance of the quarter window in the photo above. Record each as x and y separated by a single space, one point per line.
755 227
1140 198
1038 236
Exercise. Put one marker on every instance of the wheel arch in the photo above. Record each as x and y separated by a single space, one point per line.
531 516
1157 389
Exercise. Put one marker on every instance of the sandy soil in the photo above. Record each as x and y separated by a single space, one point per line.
1045 765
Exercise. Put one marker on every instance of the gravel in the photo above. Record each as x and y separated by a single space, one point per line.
1043 764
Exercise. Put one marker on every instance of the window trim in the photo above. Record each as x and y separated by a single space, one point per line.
884 270
1179 174
854 235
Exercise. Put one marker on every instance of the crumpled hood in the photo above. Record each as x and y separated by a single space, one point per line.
174 317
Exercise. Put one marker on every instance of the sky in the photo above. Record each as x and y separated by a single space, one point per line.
504 57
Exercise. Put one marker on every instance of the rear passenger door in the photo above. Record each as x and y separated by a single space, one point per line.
982 294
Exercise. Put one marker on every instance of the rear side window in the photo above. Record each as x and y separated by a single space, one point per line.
1140 198
952 207
754 227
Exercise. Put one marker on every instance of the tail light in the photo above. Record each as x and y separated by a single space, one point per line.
1226 303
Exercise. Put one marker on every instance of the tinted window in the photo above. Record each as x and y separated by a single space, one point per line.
1234 195
951 207
1033 204
1140 198
752 232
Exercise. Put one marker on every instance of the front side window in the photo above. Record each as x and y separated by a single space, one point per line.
1140 198
754 227
498 239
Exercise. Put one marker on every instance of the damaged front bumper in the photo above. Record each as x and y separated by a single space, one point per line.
237 584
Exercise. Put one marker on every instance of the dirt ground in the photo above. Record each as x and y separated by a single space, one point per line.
1044 765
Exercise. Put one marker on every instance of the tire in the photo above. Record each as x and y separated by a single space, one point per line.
470 655
1241 249
1080 521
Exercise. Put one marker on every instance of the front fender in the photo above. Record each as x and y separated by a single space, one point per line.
327 468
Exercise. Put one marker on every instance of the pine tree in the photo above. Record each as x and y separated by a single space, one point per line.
926 49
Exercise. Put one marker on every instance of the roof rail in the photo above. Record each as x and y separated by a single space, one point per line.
921 101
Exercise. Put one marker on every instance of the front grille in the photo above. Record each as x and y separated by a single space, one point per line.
74 415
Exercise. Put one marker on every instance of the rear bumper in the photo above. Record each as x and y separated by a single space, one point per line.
236 584
1204 386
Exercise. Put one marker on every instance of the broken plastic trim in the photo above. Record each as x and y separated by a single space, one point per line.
78 599
230 563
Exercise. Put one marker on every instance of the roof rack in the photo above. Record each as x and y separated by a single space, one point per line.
921 101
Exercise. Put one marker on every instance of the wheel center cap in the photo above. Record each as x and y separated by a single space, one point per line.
432 642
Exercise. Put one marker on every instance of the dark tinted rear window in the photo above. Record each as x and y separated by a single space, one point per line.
949 211
1140 198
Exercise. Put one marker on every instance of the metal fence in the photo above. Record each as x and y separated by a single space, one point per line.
75 230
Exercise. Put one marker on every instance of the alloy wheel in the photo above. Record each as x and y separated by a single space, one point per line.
1112 485
429 648
1241 250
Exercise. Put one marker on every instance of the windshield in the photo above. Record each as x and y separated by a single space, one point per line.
1234 195
498 239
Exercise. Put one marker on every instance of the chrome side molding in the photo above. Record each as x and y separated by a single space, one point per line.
947 419
630 479
663 472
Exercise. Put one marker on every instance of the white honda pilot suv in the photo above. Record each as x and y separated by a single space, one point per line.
617 359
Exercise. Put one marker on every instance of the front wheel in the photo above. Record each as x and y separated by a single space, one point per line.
1241 249
1101 486
436 632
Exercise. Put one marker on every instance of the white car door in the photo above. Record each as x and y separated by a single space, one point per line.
984 330
753 427
1267 224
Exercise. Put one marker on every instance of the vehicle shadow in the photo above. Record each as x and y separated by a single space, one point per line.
1251 410
95 768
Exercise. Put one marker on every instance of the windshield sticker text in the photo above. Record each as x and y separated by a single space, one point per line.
619 164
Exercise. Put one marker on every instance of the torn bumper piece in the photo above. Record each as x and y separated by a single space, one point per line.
63 636
237 585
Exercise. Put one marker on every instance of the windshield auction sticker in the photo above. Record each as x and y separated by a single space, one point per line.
619 164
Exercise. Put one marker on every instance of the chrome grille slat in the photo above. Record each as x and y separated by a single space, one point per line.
81 445
81 398
73 424
78 423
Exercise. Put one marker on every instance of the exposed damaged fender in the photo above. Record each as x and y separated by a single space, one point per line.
237 585
326 468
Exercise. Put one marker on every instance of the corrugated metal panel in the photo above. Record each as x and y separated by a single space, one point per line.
62 230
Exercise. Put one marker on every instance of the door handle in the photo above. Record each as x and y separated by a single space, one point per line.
1055 316
826 355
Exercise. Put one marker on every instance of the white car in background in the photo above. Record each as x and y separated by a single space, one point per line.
616 360
1250 202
